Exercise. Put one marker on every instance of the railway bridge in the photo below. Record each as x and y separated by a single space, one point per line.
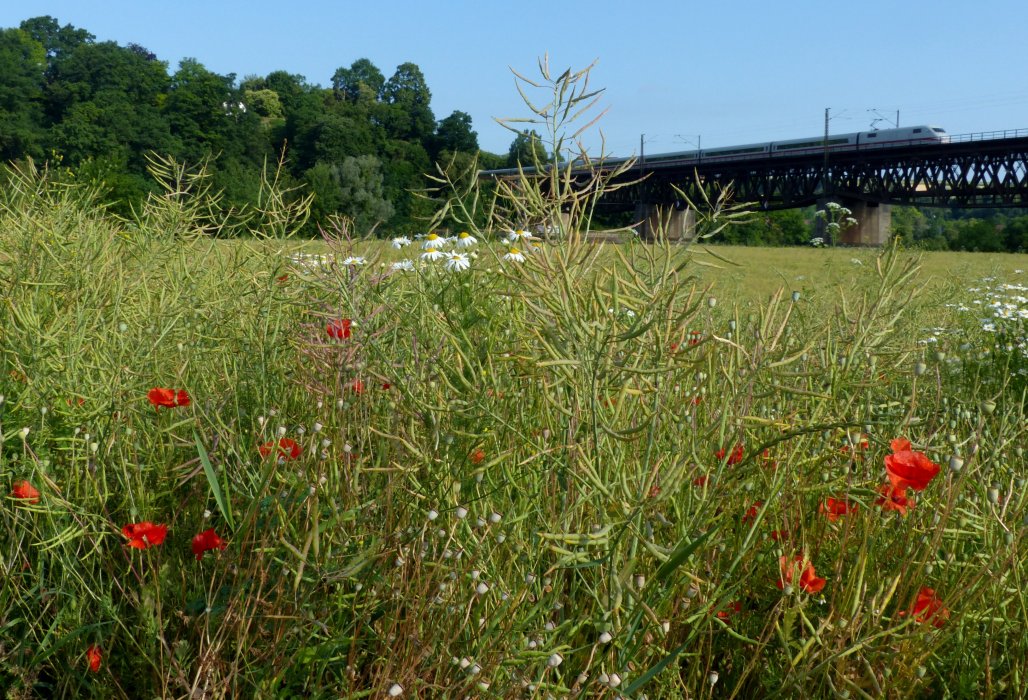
988 169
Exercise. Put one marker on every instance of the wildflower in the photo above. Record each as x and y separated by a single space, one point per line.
700 481
400 242
733 608
287 448
432 254
695 337
835 508
456 262
519 235
433 241
894 498
354 261
169 398
404 266
928 608
465 240
809 581
751 512
907 468
145 534
24 491
338 328
356 386
514 255
94 657
477 456
734 458
205 541
282 278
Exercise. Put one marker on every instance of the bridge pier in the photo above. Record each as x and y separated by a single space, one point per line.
673 223
874 223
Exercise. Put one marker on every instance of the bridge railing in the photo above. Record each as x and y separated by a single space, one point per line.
988 136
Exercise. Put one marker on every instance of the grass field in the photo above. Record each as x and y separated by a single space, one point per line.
596 472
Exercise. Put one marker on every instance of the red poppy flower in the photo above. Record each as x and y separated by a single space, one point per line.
477 456
386 386
809 581
733 608
145 534
928 608
695 337
781 535
93 658
339 328
169 398
751 513
24 491
205 541
734 458
835 508
907 468
894 498
287 448
700 480
356 386
696 400
282 278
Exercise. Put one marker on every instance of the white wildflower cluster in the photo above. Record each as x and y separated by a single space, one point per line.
1001 308
817 241
313 262
435 247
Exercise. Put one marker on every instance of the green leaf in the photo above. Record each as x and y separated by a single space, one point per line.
212 479
681 553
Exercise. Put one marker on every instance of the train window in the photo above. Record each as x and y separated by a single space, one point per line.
917 131
938 130
872 135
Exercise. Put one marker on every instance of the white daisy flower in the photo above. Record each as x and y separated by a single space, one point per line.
433 240
465 240
353 261
514 255
400 242
519 235
457 262
404 265
432 254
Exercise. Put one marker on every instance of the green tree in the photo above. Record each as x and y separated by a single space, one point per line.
526 149
21 95
202 108
362 82
405 112
57 41
454 135
354 188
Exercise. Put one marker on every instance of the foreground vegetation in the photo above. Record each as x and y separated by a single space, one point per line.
582 473
467 467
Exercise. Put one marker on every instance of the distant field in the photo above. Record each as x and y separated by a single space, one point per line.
751 274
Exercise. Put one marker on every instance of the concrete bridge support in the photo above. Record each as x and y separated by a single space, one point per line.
874 222
674 224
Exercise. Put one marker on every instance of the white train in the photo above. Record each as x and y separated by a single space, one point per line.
815 145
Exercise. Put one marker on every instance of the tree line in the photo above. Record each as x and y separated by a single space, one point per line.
362 146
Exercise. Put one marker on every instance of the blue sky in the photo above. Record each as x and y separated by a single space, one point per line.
676 71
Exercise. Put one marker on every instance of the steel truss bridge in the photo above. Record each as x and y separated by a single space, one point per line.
971 170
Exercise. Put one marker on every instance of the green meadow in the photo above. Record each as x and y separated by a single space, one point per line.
491 466
602 471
